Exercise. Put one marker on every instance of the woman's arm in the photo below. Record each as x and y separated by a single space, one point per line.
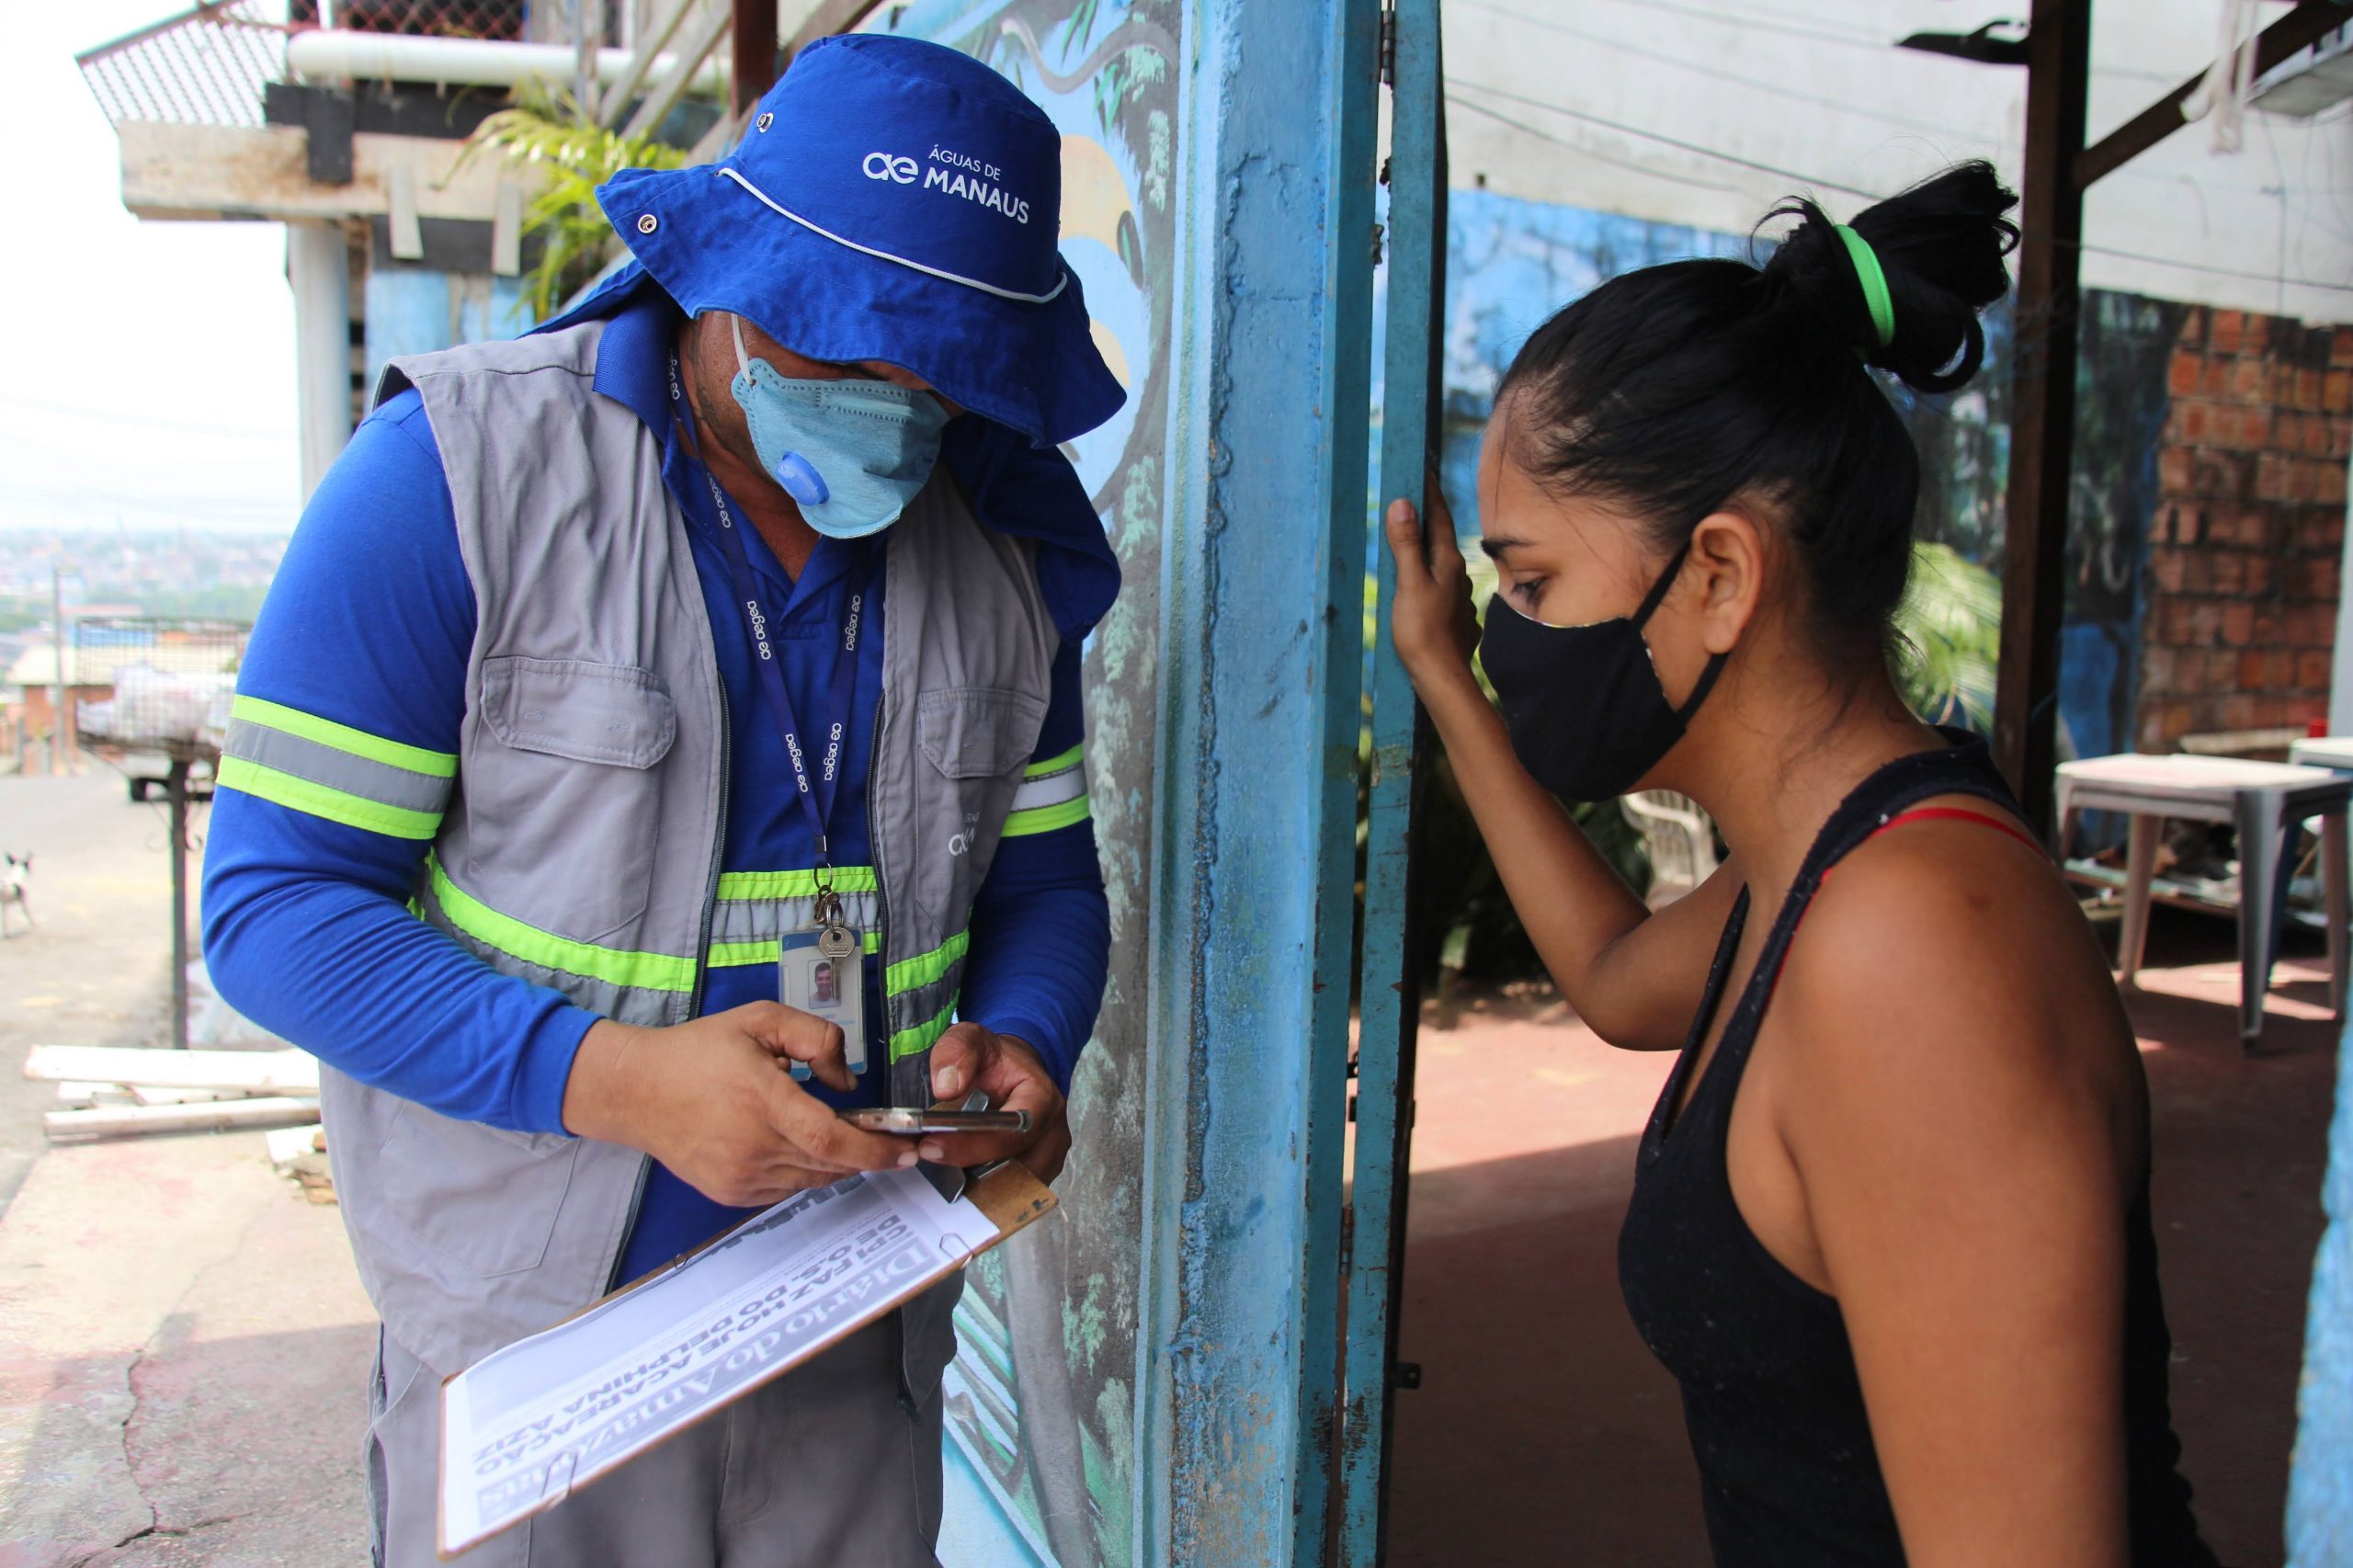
1635 977
1959 1107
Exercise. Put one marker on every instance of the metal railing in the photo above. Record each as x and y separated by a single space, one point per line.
207 66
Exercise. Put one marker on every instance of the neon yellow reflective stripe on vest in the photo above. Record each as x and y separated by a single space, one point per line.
313 764
923 1036
926 969
1052 795
614 966
744 955
743 886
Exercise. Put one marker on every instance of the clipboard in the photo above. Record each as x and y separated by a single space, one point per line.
535 1421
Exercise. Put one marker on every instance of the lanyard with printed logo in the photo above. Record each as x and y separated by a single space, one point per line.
816 785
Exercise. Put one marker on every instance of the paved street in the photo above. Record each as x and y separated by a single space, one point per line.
96 971
183 1344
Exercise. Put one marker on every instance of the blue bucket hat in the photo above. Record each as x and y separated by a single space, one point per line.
891 200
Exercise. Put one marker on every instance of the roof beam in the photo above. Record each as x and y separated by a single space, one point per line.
2299 28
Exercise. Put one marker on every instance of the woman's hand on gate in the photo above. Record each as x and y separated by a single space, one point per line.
711 1100
1432 620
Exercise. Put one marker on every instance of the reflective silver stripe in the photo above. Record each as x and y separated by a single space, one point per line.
766 919
377 781
1052 789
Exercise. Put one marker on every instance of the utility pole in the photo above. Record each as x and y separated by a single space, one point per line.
60 727
587 37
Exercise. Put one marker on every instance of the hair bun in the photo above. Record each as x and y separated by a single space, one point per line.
1940 246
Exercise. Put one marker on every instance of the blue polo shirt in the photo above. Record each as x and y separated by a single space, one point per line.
370 624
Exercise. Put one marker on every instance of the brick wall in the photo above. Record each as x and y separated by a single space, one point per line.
2249 537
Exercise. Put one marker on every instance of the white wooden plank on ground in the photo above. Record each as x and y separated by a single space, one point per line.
130 1121
249 1072
149 1094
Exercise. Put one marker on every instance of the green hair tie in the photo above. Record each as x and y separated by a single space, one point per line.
1874 282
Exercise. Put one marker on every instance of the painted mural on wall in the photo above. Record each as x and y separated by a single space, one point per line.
1041 1402
1511 263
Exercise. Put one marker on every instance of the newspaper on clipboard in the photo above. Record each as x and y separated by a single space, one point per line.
533 1422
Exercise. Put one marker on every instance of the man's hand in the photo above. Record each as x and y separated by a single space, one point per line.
714 1101
969 1057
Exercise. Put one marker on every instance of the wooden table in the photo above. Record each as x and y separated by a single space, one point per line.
2265 801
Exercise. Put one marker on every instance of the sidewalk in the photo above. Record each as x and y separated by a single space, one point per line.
1545 1432
183 1346
183 1363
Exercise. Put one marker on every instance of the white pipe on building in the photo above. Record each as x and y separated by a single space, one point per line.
459 62
318 269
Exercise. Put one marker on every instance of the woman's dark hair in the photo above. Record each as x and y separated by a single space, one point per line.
1679 390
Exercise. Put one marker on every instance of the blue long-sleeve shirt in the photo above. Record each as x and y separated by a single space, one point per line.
370 624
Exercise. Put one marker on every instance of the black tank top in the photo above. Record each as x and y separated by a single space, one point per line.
1770 1396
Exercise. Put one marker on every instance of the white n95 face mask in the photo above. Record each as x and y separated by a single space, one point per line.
850 453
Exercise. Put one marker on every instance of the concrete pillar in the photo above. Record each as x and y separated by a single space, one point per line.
318 268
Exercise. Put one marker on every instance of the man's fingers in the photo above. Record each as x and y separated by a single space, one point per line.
810 1126
802 1036
967 1149
959 1059
1045 1157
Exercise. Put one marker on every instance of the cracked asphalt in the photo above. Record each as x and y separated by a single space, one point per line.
183 1346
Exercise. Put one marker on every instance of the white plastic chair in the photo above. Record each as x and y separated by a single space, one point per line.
1679 837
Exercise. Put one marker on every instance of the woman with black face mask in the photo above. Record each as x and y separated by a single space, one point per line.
1891 1225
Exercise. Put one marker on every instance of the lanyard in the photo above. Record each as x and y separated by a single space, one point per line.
815 792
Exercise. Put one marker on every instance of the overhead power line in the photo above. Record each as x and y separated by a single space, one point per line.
1694 148
1645 170
1799 177
1685 64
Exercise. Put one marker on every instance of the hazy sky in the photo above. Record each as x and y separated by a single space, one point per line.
146 369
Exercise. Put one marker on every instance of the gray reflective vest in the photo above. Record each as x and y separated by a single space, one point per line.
581 845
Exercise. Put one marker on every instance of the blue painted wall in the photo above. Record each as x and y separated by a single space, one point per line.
417 311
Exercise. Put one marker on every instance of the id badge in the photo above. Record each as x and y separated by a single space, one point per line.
826 985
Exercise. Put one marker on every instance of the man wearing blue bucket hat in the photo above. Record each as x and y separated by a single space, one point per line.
684 691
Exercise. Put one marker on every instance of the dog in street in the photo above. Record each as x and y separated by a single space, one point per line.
16 871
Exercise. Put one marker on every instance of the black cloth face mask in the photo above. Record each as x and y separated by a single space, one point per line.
1583 704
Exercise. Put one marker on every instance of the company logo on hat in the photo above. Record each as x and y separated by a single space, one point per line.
897 200
914 153
951 174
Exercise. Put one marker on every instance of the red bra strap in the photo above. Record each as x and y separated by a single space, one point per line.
1952 813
